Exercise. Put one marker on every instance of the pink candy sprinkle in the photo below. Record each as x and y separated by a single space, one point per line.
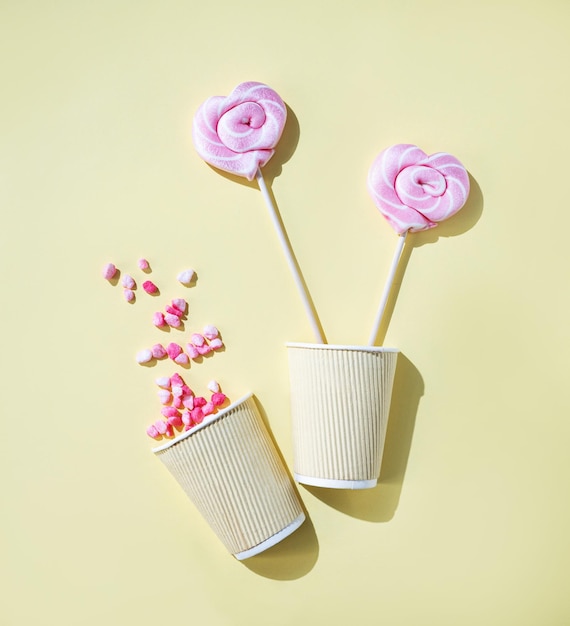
172 320
197 415
180 304
216 344
176 380
129 295
173 350
158 319
152 431
203 350
208 408
171 310
197 339
160 426
109 271
143 264
192 351
182 359
218 398
150 287
210 332
158 351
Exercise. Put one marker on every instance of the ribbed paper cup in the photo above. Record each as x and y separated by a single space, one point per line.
230 469
340 401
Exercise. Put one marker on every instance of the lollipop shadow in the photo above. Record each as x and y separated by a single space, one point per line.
297 554
283 152
380 503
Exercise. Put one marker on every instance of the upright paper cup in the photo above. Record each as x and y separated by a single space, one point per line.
340 401
230 469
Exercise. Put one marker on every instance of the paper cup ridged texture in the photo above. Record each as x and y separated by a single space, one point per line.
340 402
231 471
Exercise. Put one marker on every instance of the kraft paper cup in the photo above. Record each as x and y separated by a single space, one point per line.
230 469
340 401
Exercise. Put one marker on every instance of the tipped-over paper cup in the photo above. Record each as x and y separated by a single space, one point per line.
340 401
230 469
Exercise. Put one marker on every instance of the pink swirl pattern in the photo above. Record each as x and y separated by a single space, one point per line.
239 133
415 191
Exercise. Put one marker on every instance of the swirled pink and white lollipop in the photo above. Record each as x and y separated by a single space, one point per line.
238 133
415 191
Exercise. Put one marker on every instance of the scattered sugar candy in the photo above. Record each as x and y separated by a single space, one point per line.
163 381
210 332
143 264
214 386
175 421
165 396
144 356
208 408
177 403
129 295
158 351
128 282
182 359
188 402
149 287
173 350
203 350
160 426
216 344
218 398
169 411
186 277
158 319
187 419
180 304
199 401
171 310
172 320
197 339
192 351
176 379
152 431
109 271
197 415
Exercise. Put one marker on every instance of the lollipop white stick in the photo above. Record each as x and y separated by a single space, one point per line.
387 288
293 266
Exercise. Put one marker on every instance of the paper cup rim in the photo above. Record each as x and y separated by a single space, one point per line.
209 419
330 346
273 540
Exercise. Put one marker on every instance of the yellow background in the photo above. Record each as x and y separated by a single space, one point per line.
470 522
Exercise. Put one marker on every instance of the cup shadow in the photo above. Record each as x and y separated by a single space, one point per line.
297 554
460 223
380 503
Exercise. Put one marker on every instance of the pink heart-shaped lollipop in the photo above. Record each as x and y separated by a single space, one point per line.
239 133
415 191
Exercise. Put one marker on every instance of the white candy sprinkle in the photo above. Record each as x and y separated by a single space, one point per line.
213 386
186 277
144 356
163 381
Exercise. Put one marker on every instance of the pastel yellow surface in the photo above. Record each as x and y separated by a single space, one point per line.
469 524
